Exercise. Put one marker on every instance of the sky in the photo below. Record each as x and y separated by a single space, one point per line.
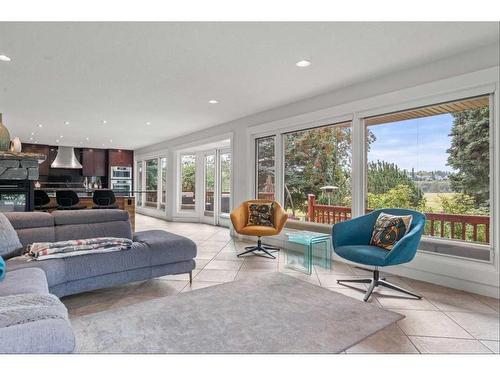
418 143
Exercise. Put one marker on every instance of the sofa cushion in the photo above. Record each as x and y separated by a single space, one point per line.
166 247
31 227
23 220
89 216
55 269
91 265
9 241
75 225
120 229
24 280
42 336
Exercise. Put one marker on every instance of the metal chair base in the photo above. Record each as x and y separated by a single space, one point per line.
375 281
267 250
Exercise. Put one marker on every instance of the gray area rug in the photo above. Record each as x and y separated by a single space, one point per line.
273 313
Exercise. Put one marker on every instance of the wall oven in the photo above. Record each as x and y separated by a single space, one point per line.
122 173
121 187
16 196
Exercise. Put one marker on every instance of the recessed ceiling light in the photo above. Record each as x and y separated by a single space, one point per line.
111 141
5 58
31 138
104 122
66 122
32 133
213 101
57 140
60 136
40 125
36 141
87 138
303 63
148 123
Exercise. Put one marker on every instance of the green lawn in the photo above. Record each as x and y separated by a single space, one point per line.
433 201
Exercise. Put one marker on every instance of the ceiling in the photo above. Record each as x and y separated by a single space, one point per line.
128 74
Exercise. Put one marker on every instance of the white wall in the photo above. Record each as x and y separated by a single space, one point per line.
467 73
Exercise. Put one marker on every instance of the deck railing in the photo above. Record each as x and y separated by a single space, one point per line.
472 228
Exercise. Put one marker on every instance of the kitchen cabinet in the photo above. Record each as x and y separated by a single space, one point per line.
94 162
43 168
120 158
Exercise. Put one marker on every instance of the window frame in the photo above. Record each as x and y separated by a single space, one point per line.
179 182
142 182
355 113
256 165
436 242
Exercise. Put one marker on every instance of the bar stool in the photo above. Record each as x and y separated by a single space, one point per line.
68 200
42 201
104 199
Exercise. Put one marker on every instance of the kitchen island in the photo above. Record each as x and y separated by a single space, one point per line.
126 203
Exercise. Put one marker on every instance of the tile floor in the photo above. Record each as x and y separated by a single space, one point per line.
444 321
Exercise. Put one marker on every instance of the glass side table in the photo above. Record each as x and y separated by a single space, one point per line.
303 249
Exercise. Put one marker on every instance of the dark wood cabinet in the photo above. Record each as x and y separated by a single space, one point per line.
43 168
121 158
94 162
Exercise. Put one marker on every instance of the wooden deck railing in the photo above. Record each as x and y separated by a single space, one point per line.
326 214
472 228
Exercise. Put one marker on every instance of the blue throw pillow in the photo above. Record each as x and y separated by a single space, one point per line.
2 269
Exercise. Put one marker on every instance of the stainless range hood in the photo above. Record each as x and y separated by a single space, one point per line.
66 159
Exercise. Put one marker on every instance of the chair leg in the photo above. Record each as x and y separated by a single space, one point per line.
397 288
190 277
267 252
363 281
374 282
249 249
369 292
271 248
262 248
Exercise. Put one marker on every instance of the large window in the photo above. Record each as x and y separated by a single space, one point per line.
317 174
265 155
139 193
209 184
188 182
152 183
225 182
163 162
436 160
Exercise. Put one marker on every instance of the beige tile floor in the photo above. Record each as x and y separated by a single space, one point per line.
444 321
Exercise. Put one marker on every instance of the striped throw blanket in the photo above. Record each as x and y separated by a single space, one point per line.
64 249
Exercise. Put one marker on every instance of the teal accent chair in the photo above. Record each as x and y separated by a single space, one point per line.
351 241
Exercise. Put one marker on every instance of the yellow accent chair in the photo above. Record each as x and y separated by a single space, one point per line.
239 218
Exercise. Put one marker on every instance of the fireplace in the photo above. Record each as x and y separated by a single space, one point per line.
18 172
16 195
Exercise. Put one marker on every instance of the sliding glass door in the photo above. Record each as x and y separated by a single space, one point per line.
209 206
151 183
225 182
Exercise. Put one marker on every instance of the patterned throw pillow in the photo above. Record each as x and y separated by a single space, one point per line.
260 214
389 229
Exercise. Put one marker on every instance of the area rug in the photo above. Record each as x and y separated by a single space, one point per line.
274 313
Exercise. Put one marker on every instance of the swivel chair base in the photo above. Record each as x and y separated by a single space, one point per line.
375 281
267 250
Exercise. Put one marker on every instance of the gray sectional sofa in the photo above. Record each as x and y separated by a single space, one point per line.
154 253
